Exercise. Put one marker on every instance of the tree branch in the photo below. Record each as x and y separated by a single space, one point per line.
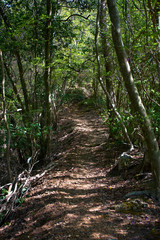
75 15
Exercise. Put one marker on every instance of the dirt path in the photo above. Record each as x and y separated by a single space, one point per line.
76 200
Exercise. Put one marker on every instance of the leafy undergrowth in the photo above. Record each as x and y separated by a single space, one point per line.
79 200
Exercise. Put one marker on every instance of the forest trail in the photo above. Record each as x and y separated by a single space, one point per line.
77 200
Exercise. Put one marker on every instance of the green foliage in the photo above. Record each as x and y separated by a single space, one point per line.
20 200
115 127
74 96
3 193
91 102
155 117
27 137
72 62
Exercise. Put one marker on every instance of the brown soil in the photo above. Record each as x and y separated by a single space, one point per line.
78 200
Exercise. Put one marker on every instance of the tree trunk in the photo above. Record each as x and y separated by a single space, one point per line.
35 32
159 47
144 121
124 129
154 10
46 121
19 62
5 120
106 51
8 71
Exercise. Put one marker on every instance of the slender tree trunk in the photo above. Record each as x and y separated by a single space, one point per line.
159 47
155 17
144 121
19 61
46 121
35 102
47 63
5 120
23 82
106 50
124 129
95 84
146 16
8 71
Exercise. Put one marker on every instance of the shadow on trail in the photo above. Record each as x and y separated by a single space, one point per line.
77 201
73 214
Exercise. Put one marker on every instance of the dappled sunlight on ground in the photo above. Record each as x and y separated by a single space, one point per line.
77 200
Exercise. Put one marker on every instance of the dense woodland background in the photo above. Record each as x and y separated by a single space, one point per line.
56 52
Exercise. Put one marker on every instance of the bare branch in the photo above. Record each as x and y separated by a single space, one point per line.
76 15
